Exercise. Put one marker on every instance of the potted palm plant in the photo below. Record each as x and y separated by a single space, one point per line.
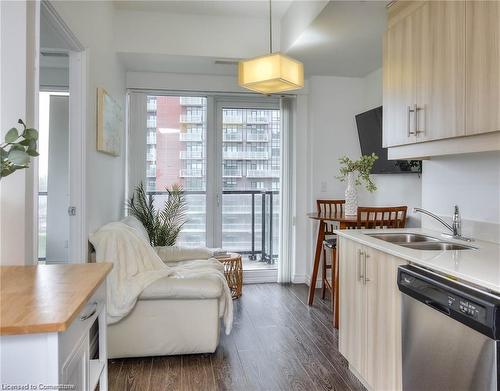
163 226
356 172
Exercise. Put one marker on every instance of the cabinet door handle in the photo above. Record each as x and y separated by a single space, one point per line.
360 275
365 278
408 121
90 313
417 130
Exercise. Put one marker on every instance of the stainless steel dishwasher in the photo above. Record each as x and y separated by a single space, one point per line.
450 333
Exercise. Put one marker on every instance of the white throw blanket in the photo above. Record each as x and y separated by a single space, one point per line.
136 265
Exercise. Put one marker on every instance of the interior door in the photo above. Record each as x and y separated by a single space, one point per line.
54 178
247 177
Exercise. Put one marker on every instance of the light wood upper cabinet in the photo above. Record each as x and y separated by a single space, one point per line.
399 84
370 314
440 70
483 66
441 75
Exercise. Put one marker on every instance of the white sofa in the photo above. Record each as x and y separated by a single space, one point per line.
172 315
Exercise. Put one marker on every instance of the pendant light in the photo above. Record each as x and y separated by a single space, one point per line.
271 73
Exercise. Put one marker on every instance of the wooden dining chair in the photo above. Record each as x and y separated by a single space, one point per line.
381 217
329 207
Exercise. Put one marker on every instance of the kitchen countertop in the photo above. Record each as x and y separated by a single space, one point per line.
46 298
480 266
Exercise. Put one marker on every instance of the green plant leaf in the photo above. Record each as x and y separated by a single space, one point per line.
31 134
12 135
32 152
17 157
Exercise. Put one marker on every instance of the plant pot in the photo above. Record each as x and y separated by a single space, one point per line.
351 196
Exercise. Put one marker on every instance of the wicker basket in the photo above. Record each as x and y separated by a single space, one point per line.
233 269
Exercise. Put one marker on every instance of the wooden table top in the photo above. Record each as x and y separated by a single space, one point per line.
46 298
340 217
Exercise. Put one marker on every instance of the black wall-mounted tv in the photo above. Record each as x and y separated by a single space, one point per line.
370 138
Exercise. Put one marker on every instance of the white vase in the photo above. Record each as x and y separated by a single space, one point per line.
351 196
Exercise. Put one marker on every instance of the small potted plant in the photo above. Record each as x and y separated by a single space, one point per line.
356 172
17 149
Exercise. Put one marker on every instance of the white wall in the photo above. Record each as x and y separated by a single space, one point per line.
16 101
333 103
471 181
93 25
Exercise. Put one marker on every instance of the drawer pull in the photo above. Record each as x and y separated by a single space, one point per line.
90 313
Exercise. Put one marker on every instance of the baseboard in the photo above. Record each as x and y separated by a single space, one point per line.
260 276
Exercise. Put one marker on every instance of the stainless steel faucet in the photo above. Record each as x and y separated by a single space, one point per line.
455 228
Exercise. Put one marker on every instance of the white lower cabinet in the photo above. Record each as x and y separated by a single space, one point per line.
76 370
60 359
370 314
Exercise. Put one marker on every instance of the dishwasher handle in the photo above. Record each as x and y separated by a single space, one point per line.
438 307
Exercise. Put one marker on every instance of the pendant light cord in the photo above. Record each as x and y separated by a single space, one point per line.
270 28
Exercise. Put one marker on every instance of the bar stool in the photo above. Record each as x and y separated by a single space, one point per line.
329 207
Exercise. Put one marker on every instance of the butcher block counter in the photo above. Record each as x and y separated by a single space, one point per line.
46 313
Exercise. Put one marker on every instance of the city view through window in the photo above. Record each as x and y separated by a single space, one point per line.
251 155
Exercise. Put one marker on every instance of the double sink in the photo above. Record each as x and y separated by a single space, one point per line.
419 242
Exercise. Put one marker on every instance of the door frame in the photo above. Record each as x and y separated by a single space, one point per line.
78 65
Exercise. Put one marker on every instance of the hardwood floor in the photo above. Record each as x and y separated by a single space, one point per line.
277 343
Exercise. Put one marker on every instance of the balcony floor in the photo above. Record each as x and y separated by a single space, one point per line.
256 265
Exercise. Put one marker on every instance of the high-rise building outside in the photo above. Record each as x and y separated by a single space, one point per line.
251 155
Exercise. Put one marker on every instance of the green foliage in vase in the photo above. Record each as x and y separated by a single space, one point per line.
17 149
363 167
163 226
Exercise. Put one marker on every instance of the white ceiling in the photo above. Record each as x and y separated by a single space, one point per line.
344 40
252 8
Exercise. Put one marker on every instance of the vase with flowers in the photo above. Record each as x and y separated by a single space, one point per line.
356 172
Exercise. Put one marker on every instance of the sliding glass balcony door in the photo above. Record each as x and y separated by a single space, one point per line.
226 154
249 137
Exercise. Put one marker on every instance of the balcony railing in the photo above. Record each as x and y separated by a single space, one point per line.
190 155
151 138
232 137
151 105
246 155
151 156
151 171
257 137
232 173
191 101
256 213
190 137
190 173
263 173
191 119
151 123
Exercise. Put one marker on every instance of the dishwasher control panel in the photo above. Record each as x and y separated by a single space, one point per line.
475 309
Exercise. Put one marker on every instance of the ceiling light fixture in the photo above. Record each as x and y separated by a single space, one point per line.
273 72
